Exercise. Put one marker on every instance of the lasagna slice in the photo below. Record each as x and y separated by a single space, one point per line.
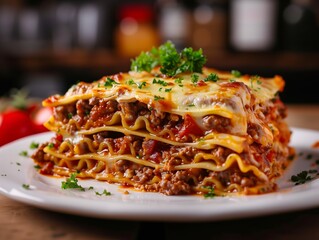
182 134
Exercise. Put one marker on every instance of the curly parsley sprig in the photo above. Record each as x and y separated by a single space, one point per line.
72 182
170 61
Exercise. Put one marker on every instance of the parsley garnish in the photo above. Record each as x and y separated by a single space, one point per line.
194 78
105 192
157 98
301 177
70 115
72 182
23 153
168 89
131 82
50 145
109 82
141 85
171 61
254 79
26 186
236 73
34 145
37 166
179 81
213 77
211 192
160 82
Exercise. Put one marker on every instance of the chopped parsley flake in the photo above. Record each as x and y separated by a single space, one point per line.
26 186
23 153
70 115
168 89
157 98
36 166
109 82
301 177
211 192
212 77
160 82
72 183
105 192
194 78
141 85
34 145
179 81
131 82
236 73
50 145
255 79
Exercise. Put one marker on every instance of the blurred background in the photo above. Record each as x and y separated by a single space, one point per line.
46 46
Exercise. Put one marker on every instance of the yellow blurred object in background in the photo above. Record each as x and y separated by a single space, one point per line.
135 31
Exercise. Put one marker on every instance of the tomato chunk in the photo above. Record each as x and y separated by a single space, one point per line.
190 127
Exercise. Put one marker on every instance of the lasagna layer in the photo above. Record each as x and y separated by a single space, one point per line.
175 135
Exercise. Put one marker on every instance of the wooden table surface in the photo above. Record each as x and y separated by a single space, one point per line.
20 221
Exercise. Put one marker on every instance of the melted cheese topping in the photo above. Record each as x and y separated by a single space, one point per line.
183 94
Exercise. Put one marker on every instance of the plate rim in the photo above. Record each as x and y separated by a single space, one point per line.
160 211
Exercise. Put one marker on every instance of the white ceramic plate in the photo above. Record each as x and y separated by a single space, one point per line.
46 192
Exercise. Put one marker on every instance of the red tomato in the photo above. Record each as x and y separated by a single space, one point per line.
15 124
41 116
190 127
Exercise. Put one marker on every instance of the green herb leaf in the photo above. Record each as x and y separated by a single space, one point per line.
170 61
72 183
70 115
157 98
236 73
109 82
50 145
194 78
26 186
160 82
141 85
105 192
211 192
23 153
179 81
37 167
212 77
253 80
301 178
34 145
131 82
